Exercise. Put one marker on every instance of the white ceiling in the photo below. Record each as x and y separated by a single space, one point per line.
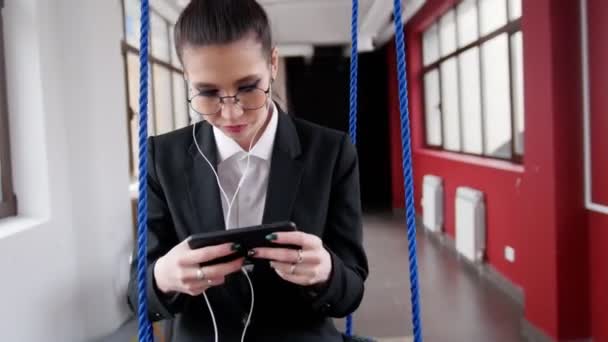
299 25
320 22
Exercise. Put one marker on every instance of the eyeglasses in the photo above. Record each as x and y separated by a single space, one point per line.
250 98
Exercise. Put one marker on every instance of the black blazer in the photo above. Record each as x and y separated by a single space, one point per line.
313 181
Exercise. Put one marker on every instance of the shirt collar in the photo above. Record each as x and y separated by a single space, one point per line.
227 147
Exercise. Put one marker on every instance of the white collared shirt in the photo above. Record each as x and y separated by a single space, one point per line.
248 206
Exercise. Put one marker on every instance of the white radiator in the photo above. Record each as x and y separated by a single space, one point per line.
470 224
432 203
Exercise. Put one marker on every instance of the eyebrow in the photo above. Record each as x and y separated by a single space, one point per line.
240 81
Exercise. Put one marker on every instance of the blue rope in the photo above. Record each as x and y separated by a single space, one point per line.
407 170
352 127
354 65
145 327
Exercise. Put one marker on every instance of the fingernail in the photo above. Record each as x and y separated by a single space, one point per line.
251 252
236 247
271 237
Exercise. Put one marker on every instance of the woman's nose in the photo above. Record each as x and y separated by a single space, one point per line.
231 109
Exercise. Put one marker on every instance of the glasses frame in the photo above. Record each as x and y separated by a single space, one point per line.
236 101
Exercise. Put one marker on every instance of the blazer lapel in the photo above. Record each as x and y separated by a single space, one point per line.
202 187
284 178
285 172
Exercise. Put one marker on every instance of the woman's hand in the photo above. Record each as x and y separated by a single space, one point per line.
179 270
310 265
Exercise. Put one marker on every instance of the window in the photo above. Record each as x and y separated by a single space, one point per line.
473 80
8 202
167 101
432 105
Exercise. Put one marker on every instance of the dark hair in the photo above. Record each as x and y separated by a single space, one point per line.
207 22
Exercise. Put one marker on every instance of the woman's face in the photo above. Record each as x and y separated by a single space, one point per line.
225 70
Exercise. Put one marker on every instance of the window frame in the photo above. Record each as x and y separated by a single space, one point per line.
510 28
8 204
130 50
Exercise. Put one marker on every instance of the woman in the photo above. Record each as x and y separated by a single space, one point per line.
244 164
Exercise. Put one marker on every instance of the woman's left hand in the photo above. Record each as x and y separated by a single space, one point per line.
310 265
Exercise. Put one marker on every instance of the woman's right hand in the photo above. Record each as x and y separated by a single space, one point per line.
179 270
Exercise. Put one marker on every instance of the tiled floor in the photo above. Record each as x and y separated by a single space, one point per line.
457 305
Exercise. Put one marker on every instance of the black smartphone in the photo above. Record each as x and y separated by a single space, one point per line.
247 237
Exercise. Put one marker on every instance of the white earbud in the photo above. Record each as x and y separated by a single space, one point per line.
195 118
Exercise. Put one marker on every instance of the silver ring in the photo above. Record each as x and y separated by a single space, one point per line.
293 269
200 275
300 258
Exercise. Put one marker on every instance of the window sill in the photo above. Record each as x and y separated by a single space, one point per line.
473 160
14 225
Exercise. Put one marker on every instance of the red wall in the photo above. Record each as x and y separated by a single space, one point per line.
598 55
598 228
537 207
598 223
571 216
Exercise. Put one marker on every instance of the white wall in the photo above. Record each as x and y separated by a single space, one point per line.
167 8
279 87
63 260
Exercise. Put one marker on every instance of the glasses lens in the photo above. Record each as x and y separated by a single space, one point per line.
252 98
206 105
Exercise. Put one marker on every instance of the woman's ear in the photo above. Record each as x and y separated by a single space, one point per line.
188 89
274 63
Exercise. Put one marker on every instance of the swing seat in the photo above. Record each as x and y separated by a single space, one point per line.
165 329
358 339
144 323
